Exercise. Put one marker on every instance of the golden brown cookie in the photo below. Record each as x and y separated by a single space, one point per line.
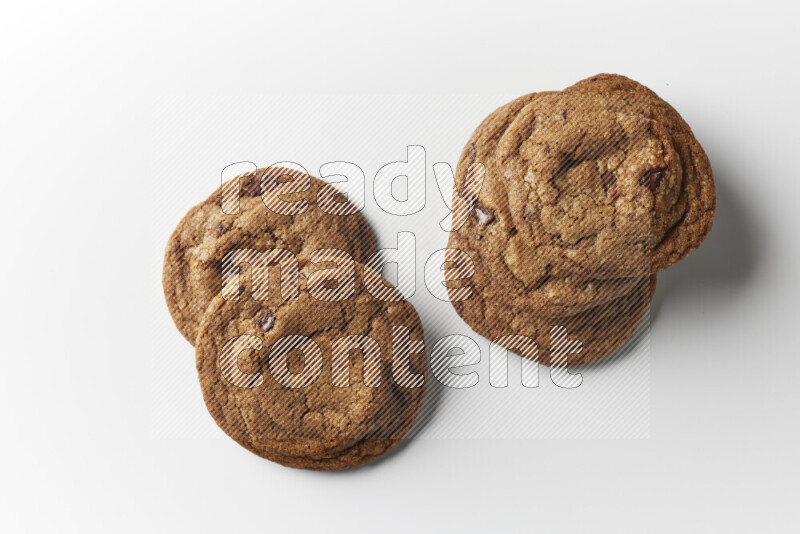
600 314
277 208
599 331
511 269
605 178
310 383
594 288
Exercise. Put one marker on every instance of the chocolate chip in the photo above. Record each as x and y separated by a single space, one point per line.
652 179
251 187
609 179
513 231
221 229
265 320
483 214
542 281
546 278
479 237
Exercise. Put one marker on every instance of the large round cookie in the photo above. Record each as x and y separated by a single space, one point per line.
606 178
193 260
517 270
301 407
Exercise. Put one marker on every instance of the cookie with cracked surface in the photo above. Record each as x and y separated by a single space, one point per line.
511 268
272 208
607 178
310 383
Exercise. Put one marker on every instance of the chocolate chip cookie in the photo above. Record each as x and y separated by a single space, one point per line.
588 192
606 178
272 208
326 381
509 267
508 298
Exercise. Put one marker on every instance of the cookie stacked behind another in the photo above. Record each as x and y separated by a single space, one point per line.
588 193
193 262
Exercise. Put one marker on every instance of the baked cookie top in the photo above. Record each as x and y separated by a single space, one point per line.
605 178
330 380
510 267
272 208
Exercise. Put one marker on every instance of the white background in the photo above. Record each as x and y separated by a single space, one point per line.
80 83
